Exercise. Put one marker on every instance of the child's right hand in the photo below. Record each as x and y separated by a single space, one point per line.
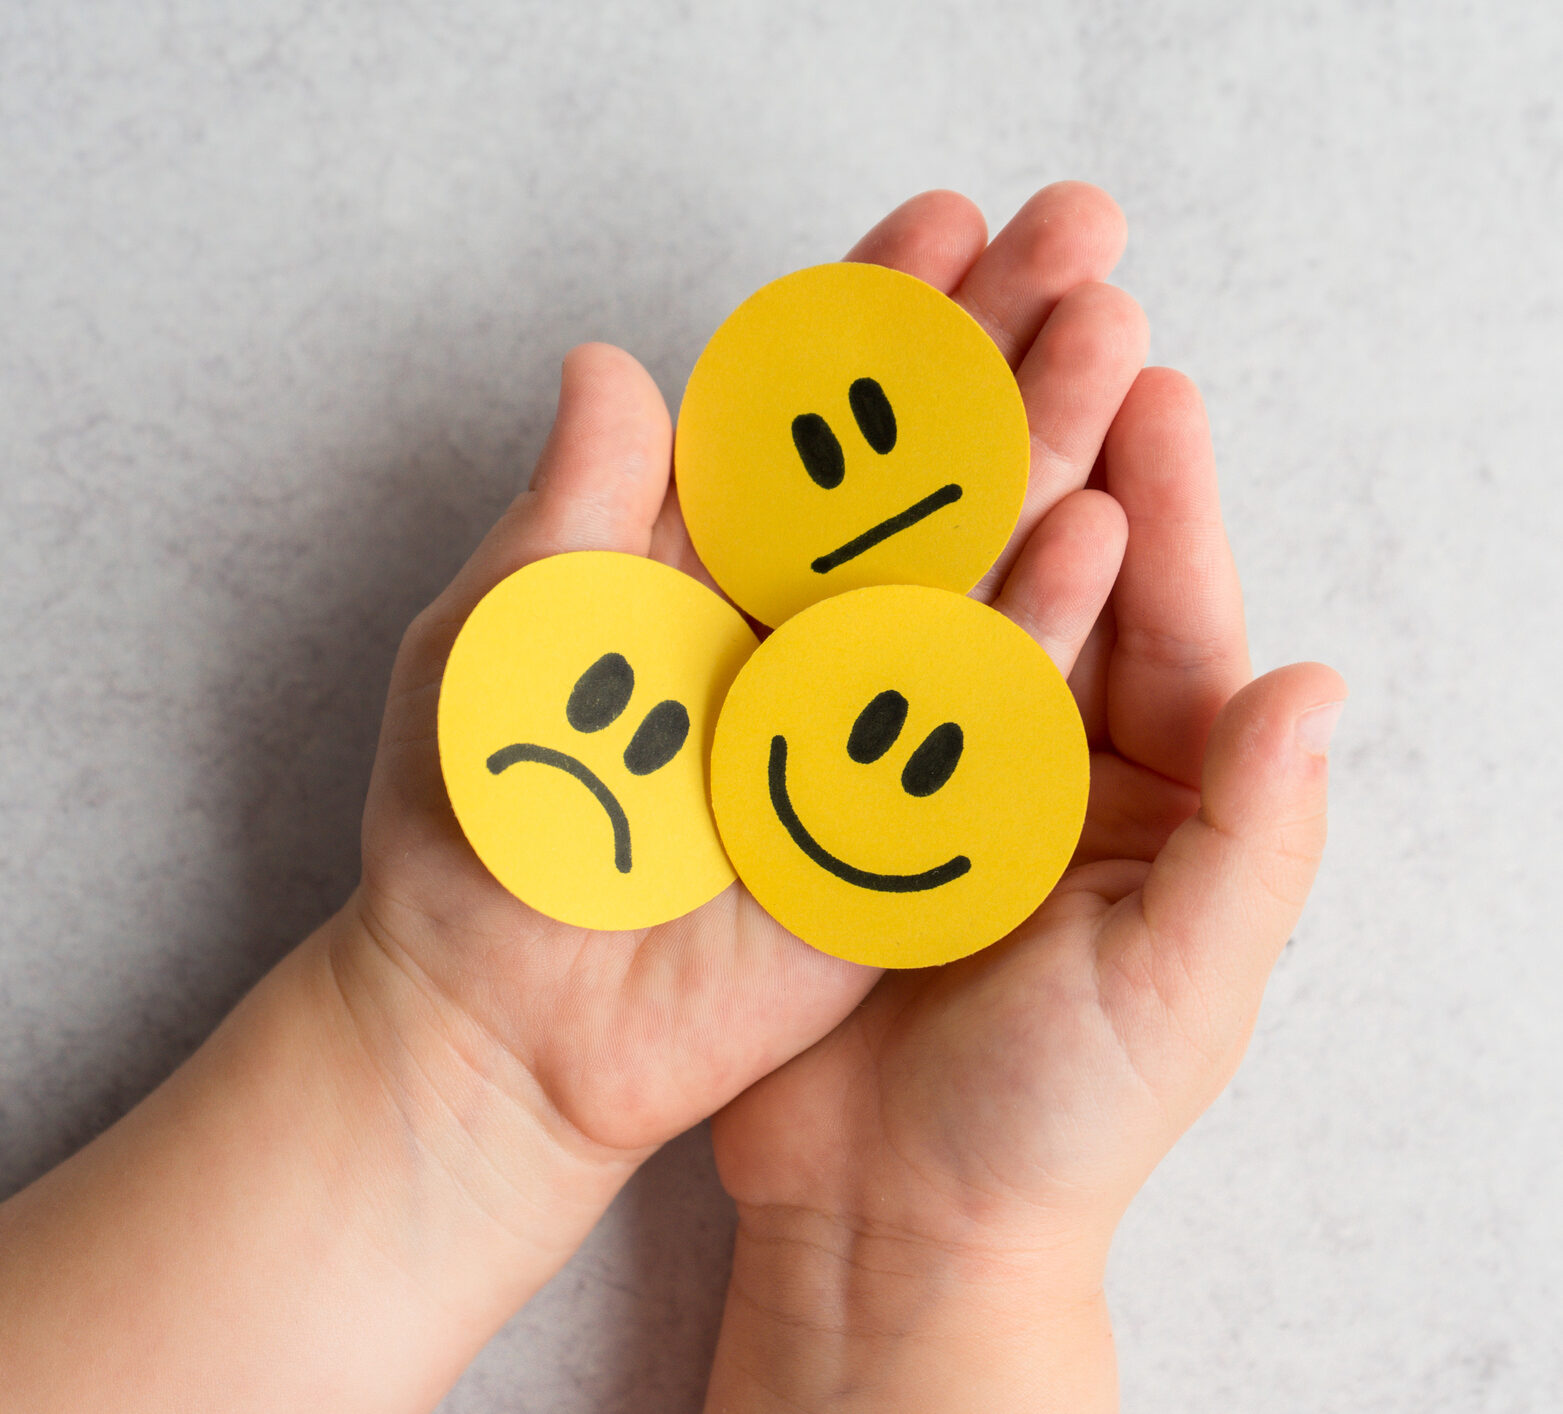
926 1197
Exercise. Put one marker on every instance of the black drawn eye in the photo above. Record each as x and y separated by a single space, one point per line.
657 740
820 450
877 727
934 762
600 694
875 416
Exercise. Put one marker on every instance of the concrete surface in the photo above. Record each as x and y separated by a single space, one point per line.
283 289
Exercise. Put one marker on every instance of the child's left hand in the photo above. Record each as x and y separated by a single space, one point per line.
415 1118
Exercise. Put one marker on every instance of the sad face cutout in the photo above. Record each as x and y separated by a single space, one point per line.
575 722
899 775
849 425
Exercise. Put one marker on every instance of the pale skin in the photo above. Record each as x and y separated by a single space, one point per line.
411 1123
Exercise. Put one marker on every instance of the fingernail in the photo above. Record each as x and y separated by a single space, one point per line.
1316 726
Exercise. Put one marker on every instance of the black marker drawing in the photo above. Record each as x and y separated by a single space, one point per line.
876 728
918 510
820 451
600 693
597 700
781 803
934 762
875 417
657 739
547 756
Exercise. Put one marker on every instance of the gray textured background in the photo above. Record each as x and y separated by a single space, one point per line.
283 290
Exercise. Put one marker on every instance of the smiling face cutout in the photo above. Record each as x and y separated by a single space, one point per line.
899 775
849 425
575 723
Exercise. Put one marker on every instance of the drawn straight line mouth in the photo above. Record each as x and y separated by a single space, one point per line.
918 510
781 802
547 756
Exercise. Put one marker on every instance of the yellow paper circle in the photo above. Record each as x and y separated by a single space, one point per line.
849 425
839 806
567 687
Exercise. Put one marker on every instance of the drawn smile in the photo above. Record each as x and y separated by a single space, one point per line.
781 802
903 520
546 756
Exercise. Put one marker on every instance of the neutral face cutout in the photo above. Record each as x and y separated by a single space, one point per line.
848 425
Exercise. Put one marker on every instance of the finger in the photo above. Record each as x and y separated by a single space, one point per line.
1073 381
1132 811
935 236
599 482
1064 574
671 545
1088 678
1181 651
597 486
1066 235
1224 894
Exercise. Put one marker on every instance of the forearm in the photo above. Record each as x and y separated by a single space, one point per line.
838 1321
332 1204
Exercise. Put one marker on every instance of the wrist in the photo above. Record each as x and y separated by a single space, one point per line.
856 1316
325 1206
463 1137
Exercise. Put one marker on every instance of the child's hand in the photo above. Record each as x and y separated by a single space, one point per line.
613 1043
927 1196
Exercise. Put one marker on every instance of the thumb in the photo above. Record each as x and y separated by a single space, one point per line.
1226 890
598 484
